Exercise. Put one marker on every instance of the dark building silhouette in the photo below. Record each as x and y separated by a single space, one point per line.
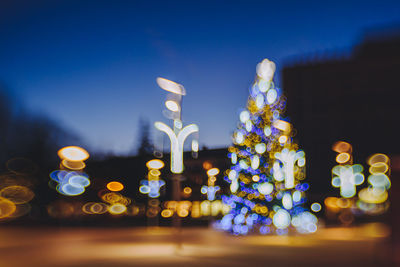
353 99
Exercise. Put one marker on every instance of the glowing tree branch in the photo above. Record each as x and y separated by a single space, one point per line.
177 142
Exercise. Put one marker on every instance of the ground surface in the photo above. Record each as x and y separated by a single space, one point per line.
362 246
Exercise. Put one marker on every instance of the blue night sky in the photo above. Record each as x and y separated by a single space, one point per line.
91 65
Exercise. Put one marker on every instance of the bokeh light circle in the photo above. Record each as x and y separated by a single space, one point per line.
7 208
17 194
115 186
342 147
73 153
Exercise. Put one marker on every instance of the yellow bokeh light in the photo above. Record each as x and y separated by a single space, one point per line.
167 213
187 190
94 208
73 153
152 212
255 178
99 208
282 139
154 202
112 197
372 195
379 157
154 173
182 212
342 157
115 186
331 202
195 213
155 164
378 167
117 209
73 165
17 194
7 208
343 203
283 126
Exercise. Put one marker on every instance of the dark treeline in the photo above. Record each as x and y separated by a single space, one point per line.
26 135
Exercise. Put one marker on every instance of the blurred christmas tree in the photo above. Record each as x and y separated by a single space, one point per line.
268 169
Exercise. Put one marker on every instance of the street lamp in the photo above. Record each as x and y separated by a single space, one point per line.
152 187
210 189
70 179
177 135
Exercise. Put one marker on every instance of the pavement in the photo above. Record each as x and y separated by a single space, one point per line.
367 245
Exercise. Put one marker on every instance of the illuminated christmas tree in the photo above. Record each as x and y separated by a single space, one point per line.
268 169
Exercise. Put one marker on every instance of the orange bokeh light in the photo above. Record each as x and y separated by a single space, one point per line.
115 186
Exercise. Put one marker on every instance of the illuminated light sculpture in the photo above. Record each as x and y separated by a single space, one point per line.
177 135
71 180
177 141
346 176
268 168
210 189
152 185
171 86
373 199
288 159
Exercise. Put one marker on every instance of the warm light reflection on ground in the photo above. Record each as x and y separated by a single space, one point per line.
360 246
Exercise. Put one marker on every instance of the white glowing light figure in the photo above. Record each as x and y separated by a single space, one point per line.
195 146
234 178
287 201
265 188
266 69
305 222
213 172
379 182
255 162
152 188
234 158
267 131
259 101
177 142
264 85
249 125
296 196
239 137
243 164
210 191
287 158
281 219
172 105
73 153
244 116
260 148
272 95
171 86
316 207
347 178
